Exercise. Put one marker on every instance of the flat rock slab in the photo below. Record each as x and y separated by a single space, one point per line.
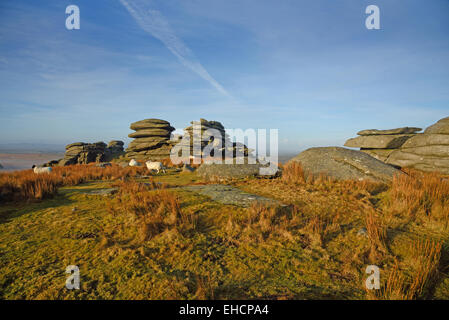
230 195
101 192
392 141
228 171
424 140
150 133
405 130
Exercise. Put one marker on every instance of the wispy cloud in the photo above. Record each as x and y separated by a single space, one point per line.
153 22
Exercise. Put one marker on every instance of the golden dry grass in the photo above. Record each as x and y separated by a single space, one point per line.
26 185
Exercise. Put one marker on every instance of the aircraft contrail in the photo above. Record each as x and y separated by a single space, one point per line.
153 22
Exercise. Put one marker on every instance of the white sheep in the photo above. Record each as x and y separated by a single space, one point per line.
158 166
134 163
39 170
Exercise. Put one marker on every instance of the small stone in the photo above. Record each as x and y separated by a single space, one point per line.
362 232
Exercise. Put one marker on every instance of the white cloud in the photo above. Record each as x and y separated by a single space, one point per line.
153 22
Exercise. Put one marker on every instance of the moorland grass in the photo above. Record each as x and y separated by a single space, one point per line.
153 240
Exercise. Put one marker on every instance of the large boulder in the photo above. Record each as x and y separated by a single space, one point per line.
345 164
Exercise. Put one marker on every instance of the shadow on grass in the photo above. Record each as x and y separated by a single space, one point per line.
12 210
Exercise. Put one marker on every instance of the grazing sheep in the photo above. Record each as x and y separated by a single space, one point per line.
133 163
155 166
42 169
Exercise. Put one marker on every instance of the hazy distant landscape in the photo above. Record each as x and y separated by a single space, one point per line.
25 160
19 161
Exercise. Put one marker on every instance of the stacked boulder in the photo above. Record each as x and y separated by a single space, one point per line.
380 144
428 151
84 153
115 147
151 140
204 133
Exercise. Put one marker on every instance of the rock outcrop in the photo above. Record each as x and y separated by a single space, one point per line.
115 147
202 134
428 151
151 140
345 164
381 143
84 153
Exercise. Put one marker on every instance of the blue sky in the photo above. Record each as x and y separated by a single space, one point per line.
308 68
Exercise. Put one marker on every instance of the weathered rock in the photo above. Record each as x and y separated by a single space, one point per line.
75 144
422 140
428 151
101 192
442 127
380 154
114 150
149 124
136 146
378 141
228 171
405 130
345 164
207 134
151 133
67 162
149 140
402 147
438 151
84 153
425 163
152 140
230 195
115 143
1 167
